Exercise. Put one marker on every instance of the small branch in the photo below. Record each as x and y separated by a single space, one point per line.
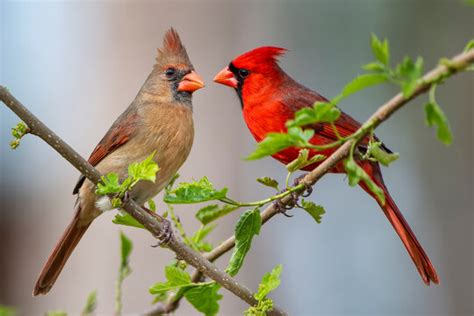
436 76
149 221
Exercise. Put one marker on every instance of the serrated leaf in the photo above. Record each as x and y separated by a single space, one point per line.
303 161
271 144
205 298
375 67
126 247
270 281
410 73
126 219
316 211
321 112
176 278
361 82
355 174
434 116
247 227
381 155
144 170
380 50
212 212
109 184
203 232
470 44
194 192
91 304
269 182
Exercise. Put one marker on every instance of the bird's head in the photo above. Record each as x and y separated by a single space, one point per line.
173 75
252 70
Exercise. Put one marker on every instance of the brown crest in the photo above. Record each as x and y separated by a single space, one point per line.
172 46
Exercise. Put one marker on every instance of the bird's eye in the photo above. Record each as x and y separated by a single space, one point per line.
170 72
243 73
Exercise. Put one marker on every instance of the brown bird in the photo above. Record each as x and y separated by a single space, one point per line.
159 119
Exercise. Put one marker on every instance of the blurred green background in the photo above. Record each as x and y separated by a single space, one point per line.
77 65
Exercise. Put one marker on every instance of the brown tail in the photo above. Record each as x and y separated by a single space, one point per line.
416 252
60 254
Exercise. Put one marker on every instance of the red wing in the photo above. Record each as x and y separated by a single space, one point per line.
345 125
118 134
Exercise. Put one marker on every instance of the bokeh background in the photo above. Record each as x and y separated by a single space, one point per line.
77 65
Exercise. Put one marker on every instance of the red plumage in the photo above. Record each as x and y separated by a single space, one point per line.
270 97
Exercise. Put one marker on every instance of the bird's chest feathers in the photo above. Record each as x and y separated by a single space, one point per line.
265 116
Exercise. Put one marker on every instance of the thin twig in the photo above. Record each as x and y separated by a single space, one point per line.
436 76
152 224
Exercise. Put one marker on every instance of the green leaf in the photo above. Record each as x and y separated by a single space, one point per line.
303 161
269 182
203 232
470 44
176 278
212 212
381 155
144 170
380 50
194 192
271 144
375 67
361 82
125 250
321 112
247 227
109 184
270 281
122 218
435 116
316 211
205 298
355 174
91 304
410 73
56 313
152 205
7 311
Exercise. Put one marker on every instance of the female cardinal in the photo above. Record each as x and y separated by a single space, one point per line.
158 120
270 97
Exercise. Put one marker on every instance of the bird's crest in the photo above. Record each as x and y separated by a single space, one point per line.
263 55
172 47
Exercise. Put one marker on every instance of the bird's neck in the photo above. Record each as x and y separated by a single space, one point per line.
263 109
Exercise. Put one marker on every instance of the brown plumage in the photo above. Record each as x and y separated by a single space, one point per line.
159 119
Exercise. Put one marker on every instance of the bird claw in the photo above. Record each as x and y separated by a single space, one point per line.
283 208
165 235
126 197
308 189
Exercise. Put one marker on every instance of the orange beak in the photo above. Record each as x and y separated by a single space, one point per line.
191 82
226 77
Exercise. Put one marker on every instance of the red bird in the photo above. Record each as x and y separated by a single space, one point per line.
270 97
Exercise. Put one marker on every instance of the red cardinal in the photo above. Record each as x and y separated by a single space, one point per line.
159 119
270 97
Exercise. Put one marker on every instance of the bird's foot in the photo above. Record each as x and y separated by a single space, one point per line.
283 208
166 234
308 189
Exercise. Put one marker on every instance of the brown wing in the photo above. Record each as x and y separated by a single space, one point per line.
118 134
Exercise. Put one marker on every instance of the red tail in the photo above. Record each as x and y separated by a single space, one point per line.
60 254
416 252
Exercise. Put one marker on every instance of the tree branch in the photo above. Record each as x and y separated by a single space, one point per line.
437 75
153 224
